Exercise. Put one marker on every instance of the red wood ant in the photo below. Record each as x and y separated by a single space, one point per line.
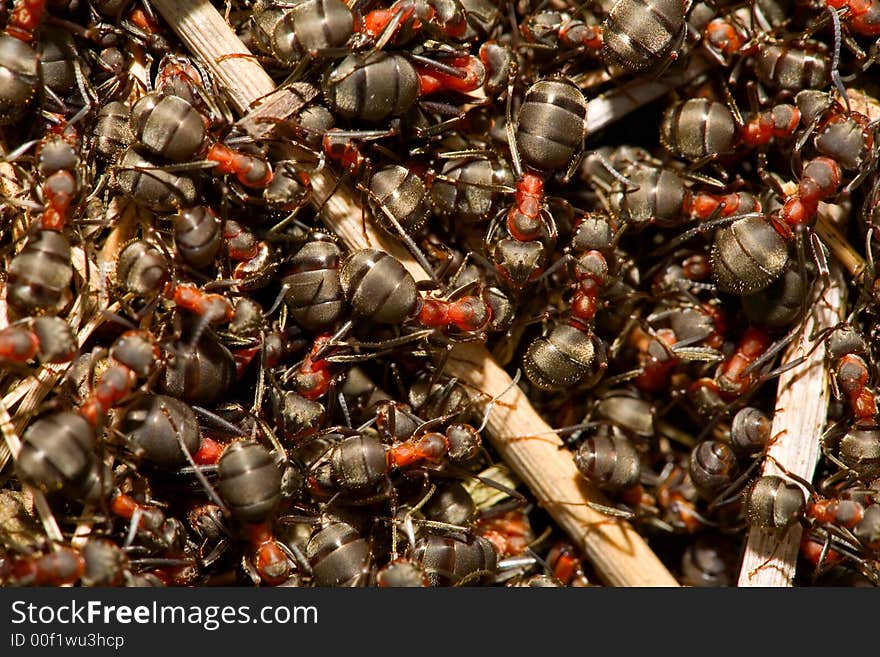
732 378
48 338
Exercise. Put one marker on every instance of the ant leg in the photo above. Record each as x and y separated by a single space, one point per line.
403 236
701 228
495 399
835 58
203 480
609 167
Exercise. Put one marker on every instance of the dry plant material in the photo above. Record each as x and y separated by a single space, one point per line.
9 188
798 422
536 453
29 393
850 260
206 33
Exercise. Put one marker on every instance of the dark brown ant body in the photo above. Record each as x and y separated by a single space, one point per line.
169 126
291 33
376 86
380 289
793 66
699 129
644 36
338 555
456 561
314 293
554 29
360 463
19 61
546 137
40 275
249 480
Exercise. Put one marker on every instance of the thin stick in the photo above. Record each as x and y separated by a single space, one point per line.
801 410
4 308
619 554
206 33
278 104
31 392
616 104
528 444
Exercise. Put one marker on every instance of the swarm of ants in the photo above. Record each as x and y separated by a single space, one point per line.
203 385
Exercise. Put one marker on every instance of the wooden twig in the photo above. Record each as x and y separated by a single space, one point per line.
260 122
205 32
619 554
849 259
798 422
9 188
538 456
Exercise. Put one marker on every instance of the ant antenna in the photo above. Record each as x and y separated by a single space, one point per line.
609 167
835 58
511 132
366 425
218 421
203 480
285 288
344 406
119 319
